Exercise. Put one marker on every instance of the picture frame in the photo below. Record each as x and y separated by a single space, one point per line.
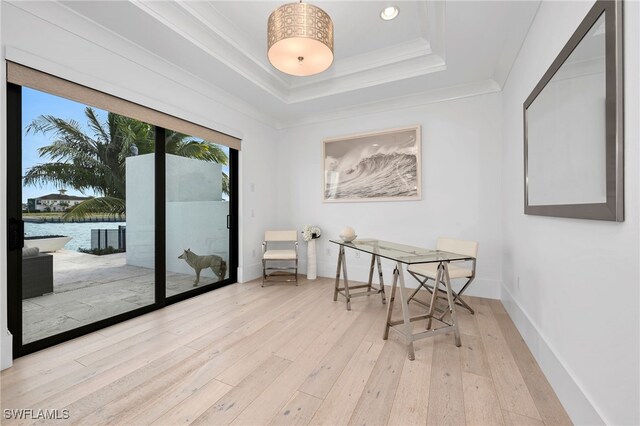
573 125
383 165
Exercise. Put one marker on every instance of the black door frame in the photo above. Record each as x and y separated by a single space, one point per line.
14 255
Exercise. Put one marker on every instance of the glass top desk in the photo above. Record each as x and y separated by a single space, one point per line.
407 255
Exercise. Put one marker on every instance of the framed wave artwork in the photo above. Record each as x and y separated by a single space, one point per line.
376 166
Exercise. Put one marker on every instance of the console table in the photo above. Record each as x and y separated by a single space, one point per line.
402 255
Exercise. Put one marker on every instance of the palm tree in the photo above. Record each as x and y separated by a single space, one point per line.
97 163
185 146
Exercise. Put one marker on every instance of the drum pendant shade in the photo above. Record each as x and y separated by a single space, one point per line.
300 39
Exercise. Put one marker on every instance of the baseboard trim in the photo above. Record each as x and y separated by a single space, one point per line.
6 354
484 287
249 272
579 406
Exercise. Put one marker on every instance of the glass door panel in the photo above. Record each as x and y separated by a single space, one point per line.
88 212
197 213
94 197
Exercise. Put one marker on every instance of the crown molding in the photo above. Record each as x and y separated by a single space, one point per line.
512 46
396 104
195 27
410 62
207 14
413 49
373 77
432 19
66 19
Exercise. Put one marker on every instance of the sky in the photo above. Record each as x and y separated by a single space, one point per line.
35 104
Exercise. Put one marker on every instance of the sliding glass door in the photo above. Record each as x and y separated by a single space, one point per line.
197 213
109 217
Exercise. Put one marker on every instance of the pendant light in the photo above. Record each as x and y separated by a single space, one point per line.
300 39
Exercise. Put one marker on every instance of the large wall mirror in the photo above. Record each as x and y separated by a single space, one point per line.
573 141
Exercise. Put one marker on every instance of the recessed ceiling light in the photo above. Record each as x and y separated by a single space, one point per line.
389 13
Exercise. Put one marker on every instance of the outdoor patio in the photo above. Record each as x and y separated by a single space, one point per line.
88 288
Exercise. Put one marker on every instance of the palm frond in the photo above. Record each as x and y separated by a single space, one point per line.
187 146
77 176
173 140
202 151
131 131
63 130
225 184
218 154
96 125
107 206
60 174
59 150
112 124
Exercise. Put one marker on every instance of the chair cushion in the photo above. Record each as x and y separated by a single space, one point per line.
279 255
431 270
469 248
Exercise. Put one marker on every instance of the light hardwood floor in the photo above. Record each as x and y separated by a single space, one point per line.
282 354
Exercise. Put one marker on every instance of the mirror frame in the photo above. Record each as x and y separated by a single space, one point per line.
613 208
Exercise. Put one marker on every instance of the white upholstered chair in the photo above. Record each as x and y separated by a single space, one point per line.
457 270
285 257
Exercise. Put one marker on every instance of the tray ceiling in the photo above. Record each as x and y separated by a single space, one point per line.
430 46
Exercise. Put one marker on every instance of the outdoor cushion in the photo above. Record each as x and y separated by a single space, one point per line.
30 251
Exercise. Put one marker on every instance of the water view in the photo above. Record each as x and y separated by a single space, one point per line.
80 232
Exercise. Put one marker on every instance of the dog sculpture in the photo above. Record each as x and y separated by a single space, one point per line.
198 263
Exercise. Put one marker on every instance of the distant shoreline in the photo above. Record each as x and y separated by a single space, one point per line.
58 218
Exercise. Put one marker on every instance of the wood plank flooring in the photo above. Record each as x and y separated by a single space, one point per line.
282 354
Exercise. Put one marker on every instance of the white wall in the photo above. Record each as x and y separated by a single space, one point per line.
570 285
460 185
141 222
196 214
48 37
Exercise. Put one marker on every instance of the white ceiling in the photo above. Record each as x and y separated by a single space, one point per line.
431 46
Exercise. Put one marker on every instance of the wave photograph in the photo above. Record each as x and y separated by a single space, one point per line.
374 166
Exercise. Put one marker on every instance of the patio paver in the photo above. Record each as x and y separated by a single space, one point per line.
88 288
